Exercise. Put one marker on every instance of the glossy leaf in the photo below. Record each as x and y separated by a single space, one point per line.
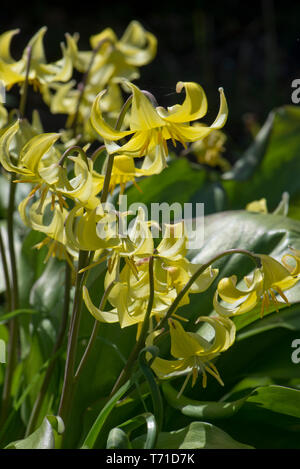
197 435
43 437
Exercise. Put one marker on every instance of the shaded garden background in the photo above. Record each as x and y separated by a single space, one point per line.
249 48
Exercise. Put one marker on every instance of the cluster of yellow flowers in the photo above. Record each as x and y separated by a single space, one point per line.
67 199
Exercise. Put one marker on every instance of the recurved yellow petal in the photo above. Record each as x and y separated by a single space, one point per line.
5 155
35 149
138 45
143 114
5 40
99 124
173 244
194 106
184 344
101 316
275 274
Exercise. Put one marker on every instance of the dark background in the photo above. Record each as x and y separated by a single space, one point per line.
249 48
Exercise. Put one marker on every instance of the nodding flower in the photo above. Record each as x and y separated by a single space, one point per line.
151 126
193 353
271 279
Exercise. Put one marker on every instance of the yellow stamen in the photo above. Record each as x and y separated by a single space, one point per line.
282 295
179 138
177 316
172 137
215 374
31 194
184 385
52 201
195 374
145 147
50 252
275 301
137 186
131 264
94 264
204 379
42 243
42 199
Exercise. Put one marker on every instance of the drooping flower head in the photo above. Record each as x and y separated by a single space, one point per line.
270 279
152 126
193 353
40 72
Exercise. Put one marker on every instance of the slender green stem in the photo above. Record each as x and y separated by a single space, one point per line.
94 334
198 272
5 273
105 190
84 82
11 245
127 104
98 152
14 296
72 149
110 162
125 373
23 100
59 341
68 388
14 291
123 111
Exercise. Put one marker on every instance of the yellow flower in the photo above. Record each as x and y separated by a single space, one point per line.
209 150
292 262
258 206
124 170
92 229
39 163
271 279
152 126
130 294
40 72
277 279
113 58
193 353
55 232
63 98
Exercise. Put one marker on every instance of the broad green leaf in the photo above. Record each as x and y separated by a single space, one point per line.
201 410
273 398
278 399
47 292
287 318
248 162
271 159
258 233
197 435
196 185
279 168
43 437
31 264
